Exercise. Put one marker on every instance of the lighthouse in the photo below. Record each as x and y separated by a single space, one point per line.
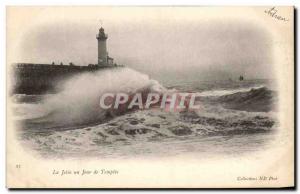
103 58
102 50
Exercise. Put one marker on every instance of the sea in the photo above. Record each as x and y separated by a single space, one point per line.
235 118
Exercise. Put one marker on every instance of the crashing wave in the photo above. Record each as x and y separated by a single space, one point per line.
255 100
78 99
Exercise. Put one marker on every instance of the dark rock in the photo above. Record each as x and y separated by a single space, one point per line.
268 124
181 130
162 117
120 139
136 131
155 125
247 123
134 122
259 118
113 124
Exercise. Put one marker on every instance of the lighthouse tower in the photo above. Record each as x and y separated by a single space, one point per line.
102 51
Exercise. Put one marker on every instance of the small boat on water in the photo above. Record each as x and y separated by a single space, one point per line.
241 78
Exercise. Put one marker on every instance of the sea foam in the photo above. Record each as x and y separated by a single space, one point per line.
78 99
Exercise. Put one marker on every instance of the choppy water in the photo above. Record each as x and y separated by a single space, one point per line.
234 118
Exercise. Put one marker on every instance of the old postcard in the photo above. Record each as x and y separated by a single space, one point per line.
150 97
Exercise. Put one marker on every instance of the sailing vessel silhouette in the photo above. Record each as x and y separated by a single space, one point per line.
241 78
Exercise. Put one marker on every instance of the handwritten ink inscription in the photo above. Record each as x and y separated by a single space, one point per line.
274 13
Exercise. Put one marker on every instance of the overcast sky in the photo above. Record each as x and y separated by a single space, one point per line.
206 50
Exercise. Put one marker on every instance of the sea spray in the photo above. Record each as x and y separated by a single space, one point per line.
78 100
